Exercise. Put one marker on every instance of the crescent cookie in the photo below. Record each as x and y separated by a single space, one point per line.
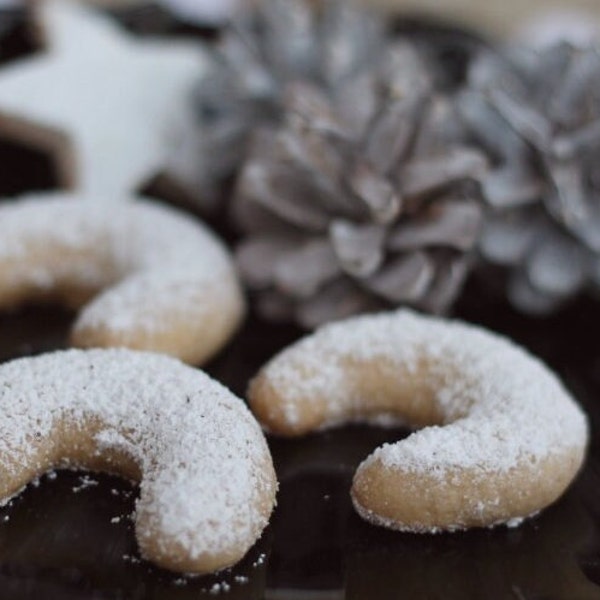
147 276
207 484
500 439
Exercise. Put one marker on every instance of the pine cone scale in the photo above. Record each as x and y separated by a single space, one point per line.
376 193
358 248
405 280
391 133
567 202
512 186
507 236
530 124
284 195
578 143
555 267
258 257
447 283
302 272
452 224
424 176
338 300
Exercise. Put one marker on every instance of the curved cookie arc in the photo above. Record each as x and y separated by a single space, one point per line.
500 437
207 484
146 276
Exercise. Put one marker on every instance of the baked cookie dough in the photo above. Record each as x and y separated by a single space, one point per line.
146 276
113 110
207 484
500 437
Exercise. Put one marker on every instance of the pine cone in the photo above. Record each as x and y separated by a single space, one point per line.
260 52
538 115
361 202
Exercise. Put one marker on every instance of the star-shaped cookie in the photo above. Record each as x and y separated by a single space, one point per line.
113 109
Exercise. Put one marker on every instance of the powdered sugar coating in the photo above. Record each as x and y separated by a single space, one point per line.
503 404
501 437
207 482
122 104
152 261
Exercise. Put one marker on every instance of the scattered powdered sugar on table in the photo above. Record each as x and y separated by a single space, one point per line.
85 482
500 405
153 260
218 588
201 453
